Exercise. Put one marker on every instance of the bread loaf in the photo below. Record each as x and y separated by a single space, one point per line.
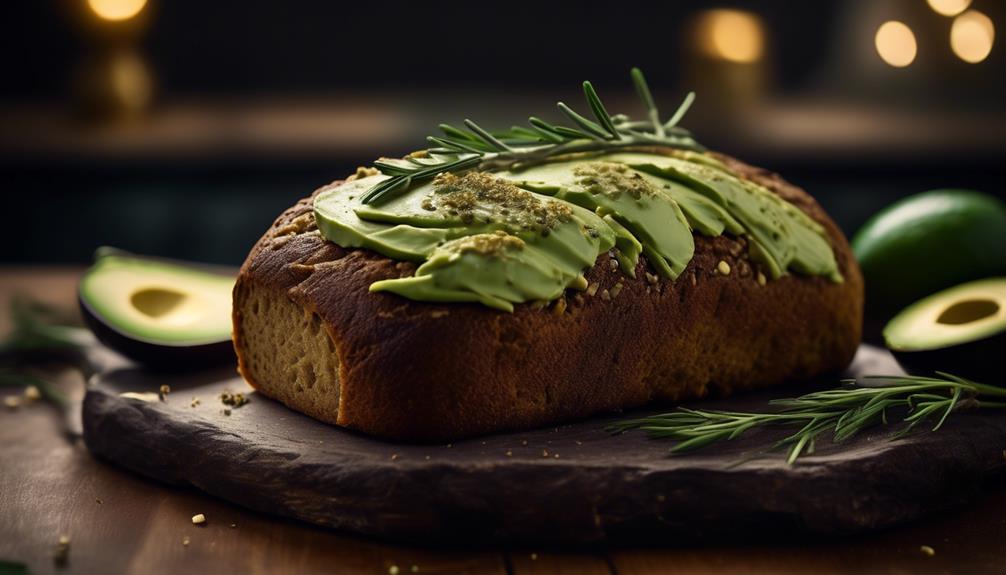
310 334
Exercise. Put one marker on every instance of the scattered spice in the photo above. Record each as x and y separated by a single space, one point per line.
195 402
234 400
61 554
234 525
12 401
163 392
227 411
97 500
927 550
509 453
606 295
394 456
198 519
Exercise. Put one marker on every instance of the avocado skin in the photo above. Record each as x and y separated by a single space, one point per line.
167 358
928 242
978 360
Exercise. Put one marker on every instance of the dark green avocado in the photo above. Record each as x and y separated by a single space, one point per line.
164 314
961 331
929 242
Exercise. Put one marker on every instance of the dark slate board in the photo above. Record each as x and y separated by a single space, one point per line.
505 488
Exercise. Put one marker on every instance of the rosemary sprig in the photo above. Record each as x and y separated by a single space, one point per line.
473 146
841 412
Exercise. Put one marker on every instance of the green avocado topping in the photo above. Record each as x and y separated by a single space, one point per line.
512 217
523 235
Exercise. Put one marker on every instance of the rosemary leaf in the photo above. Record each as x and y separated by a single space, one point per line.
843 412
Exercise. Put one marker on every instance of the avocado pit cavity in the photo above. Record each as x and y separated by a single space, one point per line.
968 311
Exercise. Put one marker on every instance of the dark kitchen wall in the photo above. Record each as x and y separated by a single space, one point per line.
186 129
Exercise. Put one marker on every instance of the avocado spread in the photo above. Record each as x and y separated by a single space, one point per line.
506 237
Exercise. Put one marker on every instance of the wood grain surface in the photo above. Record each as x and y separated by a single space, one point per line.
120 523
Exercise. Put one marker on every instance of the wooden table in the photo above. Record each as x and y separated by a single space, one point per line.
118 522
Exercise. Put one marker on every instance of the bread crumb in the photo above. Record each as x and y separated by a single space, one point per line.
534 557
234 525
606 295
186 540
523 442
393 570
509 453
592 289
394 456
651 278
195 402
226 411
12 401
761 279
198 519
163 392
61 553
234 400
723 267
544 453
927 550
32 394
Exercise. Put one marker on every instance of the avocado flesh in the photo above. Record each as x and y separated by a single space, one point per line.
640 203
158 311
961 330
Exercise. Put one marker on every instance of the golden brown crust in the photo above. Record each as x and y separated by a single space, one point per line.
424 371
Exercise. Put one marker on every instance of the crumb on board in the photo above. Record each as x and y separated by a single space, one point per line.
927 550
226 411
186 540
414 569
394 456
393 570
62 551
195 402
509 453
534 557
12 401
234 525
163 391
32 394
234 400
198 519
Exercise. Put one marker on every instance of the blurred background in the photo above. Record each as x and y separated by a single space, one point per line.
182 128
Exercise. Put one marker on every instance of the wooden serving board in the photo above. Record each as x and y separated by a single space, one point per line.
569 484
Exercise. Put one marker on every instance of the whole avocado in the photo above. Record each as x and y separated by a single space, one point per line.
928 242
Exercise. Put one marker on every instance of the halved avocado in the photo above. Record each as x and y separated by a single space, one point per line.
161 313
961 330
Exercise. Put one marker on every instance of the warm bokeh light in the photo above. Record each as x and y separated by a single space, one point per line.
732 35
972 36
116 10
896 43
949 7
